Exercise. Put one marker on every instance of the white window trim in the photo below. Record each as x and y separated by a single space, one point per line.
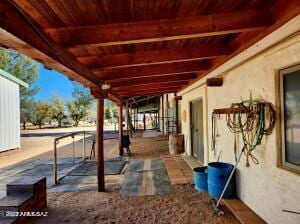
283 161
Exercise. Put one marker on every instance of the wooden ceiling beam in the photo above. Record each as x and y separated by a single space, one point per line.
205 51
121 92
149 89
149 92
154 70
159 30
16 22
148 86
137 101
109 94
281 12
152 80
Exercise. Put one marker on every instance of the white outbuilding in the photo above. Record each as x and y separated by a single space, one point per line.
10 111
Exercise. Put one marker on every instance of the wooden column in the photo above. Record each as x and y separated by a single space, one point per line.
158 117
176 115
99 145
137 119
121 151
167 114
127 118
163 114
134 115
144 121
130 120
157 120
177 98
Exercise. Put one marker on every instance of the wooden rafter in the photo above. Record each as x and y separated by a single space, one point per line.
147 86
18 23
15 21
68 41
281 12
169 29
152 80
150 92
205 51
152 70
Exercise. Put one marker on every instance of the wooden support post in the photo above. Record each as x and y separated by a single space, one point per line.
127 118
158 117
134 118
130 121
167 114
99 145
137 112
163 114
157 120
176 115
144 121
121 151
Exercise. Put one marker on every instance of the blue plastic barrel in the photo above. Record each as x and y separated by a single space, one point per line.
200 178
218 174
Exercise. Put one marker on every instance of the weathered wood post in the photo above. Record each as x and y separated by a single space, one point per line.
121 151
167 115
99 145
130 120
158 117
177 98
127 118
163 114
134 118
144 120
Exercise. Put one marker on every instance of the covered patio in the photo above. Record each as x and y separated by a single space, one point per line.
138 53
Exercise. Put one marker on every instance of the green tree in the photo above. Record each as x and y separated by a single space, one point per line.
57 109
115 113
25 111
25 69
107 114
40 111
78 108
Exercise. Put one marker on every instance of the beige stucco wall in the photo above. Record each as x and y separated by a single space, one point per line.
199 94
265 188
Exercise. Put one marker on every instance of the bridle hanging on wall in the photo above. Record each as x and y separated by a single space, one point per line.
249 119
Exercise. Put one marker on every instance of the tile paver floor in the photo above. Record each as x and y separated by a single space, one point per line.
178 170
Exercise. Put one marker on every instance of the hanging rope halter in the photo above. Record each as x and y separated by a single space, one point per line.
250 121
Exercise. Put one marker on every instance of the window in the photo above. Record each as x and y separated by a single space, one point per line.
290 117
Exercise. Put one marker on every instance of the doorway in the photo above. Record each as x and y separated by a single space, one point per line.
196 108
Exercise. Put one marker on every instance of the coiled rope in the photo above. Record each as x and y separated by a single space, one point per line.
250 121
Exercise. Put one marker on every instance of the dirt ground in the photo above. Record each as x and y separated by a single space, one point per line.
39 144
147 148
182 205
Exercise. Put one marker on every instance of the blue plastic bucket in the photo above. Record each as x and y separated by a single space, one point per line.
218 174
200 178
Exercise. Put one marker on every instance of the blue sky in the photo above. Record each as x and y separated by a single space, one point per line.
51 81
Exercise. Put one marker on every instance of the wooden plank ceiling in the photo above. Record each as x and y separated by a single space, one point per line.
139 47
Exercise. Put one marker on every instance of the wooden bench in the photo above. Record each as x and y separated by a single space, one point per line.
26 194
242 212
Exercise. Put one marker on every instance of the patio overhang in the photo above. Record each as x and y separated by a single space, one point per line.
163 50
137 48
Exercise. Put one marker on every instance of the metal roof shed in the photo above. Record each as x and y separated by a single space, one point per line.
9 111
